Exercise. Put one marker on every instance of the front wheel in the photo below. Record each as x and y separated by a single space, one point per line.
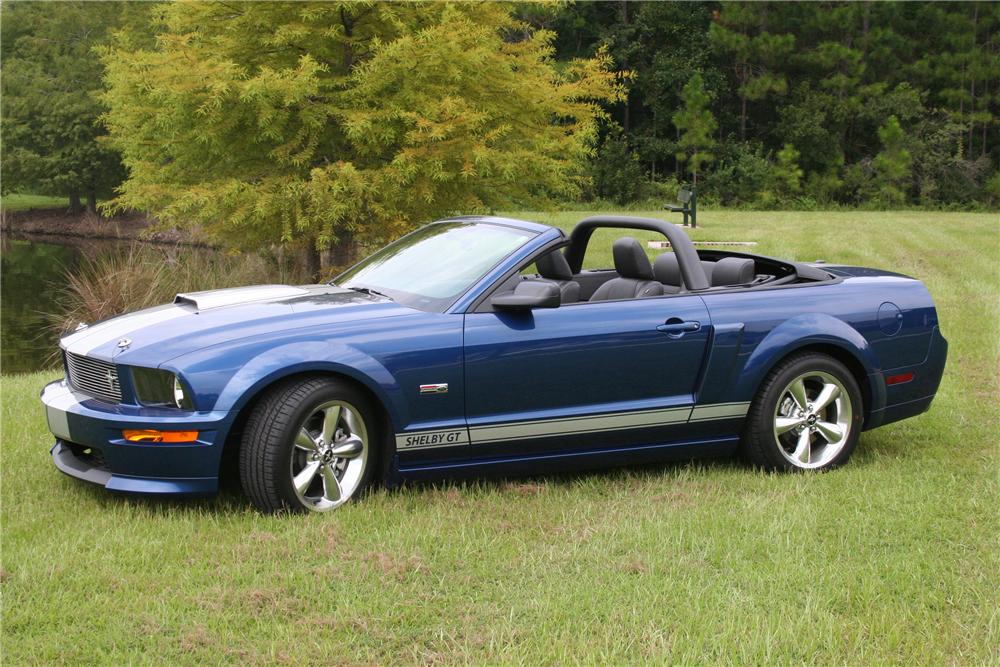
806 416
308 446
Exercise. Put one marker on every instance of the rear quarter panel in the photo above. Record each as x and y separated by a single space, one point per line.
756 329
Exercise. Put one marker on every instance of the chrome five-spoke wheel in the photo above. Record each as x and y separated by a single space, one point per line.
331 450
812 419
310 444
807 415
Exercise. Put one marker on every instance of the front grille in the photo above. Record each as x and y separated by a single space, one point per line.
93 377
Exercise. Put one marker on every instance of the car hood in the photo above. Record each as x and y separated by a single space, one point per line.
201 319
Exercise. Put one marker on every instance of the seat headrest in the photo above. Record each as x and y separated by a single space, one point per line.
554 266
631 260
666 269
733 271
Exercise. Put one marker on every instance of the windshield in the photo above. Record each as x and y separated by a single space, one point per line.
434 265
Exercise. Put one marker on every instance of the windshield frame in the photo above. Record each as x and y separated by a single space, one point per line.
443 304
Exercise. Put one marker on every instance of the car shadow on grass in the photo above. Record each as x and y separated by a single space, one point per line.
227 501
231 501
619 475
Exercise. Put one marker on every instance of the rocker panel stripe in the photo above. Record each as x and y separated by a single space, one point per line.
547 428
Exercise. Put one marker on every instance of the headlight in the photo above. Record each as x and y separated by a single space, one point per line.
160 388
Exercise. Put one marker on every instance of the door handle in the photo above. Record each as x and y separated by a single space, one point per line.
676 327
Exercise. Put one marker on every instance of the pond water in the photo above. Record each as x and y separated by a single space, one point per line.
31 272
29 276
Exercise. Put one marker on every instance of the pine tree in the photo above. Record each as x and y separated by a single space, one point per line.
892 164
757 55
786 175
696 125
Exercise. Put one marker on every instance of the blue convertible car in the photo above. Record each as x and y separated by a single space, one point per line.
482 345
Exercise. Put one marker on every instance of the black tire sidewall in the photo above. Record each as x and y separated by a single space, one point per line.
763 448
271 438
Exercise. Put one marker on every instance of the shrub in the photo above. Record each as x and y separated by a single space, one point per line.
142 276
992 188
617 174
741 176
941 173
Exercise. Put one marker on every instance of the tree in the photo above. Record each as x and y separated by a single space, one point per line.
51 73
618 175
892 164
696 125
660 45
961 67
337 122
757 54
786 174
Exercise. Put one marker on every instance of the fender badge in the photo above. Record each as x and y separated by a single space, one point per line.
440 388
124 342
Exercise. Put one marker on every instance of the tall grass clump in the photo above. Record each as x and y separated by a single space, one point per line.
141 276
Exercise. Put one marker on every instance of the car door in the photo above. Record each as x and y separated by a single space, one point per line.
600 374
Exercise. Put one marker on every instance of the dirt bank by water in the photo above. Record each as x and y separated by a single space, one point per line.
61 223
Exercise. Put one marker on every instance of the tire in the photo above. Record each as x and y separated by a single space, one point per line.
319 432
807 415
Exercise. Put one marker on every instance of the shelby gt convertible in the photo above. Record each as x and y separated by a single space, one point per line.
481 345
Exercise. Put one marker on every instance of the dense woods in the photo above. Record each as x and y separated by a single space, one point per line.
812 103
296 121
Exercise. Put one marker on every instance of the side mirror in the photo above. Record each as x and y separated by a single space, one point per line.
527 295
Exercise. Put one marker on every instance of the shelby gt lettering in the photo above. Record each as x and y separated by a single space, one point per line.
482 345
432 439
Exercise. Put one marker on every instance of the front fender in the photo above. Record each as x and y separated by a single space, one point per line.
295 358
233 392
807 330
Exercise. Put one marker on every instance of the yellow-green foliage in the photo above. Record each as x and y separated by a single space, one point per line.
273 122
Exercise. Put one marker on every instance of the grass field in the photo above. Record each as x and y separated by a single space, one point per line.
18 202
891 559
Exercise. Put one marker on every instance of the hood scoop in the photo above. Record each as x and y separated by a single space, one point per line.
237 295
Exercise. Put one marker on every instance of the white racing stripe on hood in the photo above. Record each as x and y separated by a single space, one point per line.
93 337
86 340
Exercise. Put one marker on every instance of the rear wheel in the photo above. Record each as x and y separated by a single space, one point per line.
308 446
806 416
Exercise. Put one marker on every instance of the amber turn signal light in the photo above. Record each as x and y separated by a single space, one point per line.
150 435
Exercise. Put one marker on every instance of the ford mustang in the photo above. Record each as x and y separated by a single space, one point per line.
482 345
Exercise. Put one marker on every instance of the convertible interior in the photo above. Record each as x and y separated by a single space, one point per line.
634 276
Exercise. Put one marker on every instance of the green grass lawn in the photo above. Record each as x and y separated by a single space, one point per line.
18 202
891 559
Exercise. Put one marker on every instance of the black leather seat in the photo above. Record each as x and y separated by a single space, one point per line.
726 271
555 269
635 274
733 271
667 271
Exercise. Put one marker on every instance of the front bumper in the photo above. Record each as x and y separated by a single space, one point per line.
90 446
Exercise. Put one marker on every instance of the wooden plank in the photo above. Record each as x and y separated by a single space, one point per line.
666 244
